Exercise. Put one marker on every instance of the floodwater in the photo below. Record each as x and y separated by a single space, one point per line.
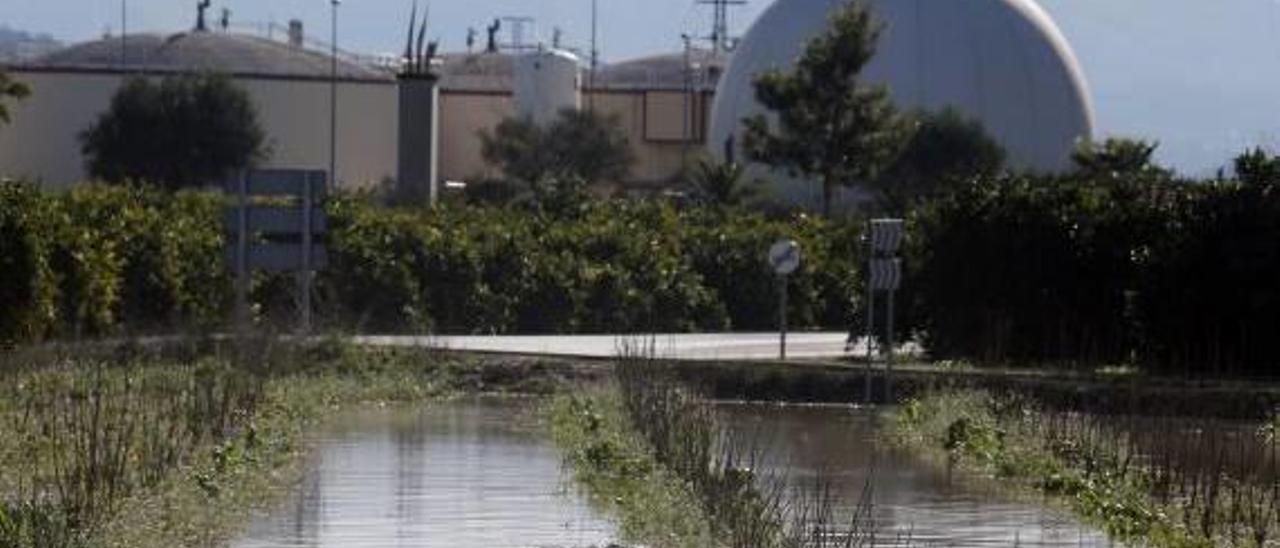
467 474
481 473
913 504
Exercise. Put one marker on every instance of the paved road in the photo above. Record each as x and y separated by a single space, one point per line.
729 346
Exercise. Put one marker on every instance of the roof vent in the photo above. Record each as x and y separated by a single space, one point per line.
295 33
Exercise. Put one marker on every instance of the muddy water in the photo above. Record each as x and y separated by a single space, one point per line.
911 501
473 473
481 473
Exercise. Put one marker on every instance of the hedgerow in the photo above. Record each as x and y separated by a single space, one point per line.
98 260
1177 276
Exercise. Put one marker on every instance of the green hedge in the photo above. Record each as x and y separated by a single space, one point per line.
1176 276
100 260
618 266
94 259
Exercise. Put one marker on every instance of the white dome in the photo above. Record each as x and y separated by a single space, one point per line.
1003 62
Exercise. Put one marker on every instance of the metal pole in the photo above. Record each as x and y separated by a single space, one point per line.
308 228
242 255
888 366
595 55
688 102
333 94
124 34
871 316
782 316
871 334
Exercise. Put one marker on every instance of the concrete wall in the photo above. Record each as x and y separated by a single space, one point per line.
652 120
463 115
42 142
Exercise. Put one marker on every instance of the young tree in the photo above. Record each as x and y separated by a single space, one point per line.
1116 157
721 183
829 124
945 146
1257 168
10 89
578 144
186 131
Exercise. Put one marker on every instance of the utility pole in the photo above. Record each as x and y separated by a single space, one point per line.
688 99
595 55
720 22
333 95
124 35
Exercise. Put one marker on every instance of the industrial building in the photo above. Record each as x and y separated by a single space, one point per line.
1000 61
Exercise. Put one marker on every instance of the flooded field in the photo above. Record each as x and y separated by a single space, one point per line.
913 503
475 473
480 473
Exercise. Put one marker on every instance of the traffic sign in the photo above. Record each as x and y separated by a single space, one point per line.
886 274
784 257
886 235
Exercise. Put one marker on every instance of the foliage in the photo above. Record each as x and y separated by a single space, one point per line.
618 266
186 131
28 291
1257 167
608 458
1116 157
579 144
826 123
1174 276
100 260
945 148
720 184
10 89
1143 479
686 438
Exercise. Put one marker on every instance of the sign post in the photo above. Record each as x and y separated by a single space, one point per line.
884 273
784 258
277 238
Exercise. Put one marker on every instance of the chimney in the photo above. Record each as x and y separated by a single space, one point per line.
295 33
419 139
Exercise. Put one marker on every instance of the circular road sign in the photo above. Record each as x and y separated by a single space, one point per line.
784 257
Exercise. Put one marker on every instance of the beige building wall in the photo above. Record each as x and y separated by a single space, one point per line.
463 116
654 121
42 143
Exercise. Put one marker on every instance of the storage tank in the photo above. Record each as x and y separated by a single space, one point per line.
546 82
1002 62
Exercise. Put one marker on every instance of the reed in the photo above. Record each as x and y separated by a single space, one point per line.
1160 480
745 509
81 437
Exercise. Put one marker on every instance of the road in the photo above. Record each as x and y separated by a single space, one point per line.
710 347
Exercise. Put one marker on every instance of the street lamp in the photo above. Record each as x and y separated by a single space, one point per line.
333 95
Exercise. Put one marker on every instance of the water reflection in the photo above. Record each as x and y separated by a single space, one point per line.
479 473
910 499
473 473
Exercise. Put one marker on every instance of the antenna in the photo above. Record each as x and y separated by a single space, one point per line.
201 6
413 22
720 22
518 26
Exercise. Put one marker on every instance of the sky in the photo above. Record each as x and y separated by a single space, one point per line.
1199 76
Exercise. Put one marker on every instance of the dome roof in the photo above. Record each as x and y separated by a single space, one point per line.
1003 62
665 71
236 54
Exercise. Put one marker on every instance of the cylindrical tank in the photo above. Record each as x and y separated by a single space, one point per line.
546 82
